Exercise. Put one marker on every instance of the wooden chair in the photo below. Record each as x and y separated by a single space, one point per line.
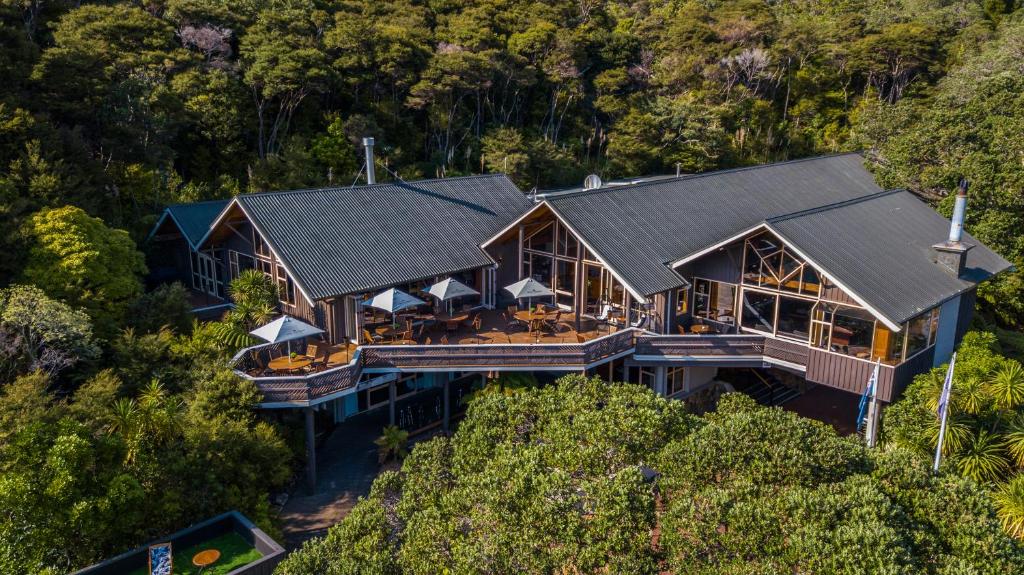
580 339
682 330
451 326
428 341
274 352
319 363
444 340
313 349
419 332
371 337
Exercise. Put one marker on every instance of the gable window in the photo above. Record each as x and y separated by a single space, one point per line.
259 246
767 263
759 311
285 287
542 240
239 262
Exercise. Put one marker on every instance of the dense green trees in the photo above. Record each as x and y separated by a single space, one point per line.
561 479
985 433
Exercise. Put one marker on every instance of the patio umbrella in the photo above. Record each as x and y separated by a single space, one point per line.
449 289
393 300
285 328
528 288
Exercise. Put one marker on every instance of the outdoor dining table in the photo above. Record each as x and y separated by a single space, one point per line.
532 318
287 363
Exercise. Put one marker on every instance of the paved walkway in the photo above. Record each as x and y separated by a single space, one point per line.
346 468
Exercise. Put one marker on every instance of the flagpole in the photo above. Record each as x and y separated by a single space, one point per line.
872 430
944 411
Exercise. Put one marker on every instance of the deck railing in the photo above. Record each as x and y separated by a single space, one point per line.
310 387
674 346
282 388
515 355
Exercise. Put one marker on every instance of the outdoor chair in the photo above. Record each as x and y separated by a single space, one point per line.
580 339
428 341
419 332
312 350
451 326
274 352
371 337
444 340
512 323
512 311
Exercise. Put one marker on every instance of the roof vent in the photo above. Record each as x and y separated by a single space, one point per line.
592 182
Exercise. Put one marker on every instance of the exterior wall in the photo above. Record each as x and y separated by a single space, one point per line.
722 265
946 340
168 261
697 376
507 256
966 313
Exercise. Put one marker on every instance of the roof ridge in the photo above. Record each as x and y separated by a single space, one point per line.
698 175
365 186
833 205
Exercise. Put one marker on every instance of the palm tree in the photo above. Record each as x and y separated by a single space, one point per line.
1014 437
1009 500
958 433
125 420
1006 386
392 443
255 303
970 395
983 459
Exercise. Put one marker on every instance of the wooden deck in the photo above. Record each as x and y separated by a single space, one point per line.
495 330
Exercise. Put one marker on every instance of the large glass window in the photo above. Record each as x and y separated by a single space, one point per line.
933 326
917 334
285 287
676 380
542 240
682 301
795 317
759 311
538 267
714 300
852 331
567 244
565 285
239 262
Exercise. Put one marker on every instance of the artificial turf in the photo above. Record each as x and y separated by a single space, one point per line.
235 552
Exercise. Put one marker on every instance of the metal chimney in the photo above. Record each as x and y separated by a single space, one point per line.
956 226
371 176
952 253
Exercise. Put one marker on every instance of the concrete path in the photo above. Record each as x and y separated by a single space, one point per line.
346 468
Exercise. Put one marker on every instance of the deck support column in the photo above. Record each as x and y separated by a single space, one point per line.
310 450
445 399
661 380
392 393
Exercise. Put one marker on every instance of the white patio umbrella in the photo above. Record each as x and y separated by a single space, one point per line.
449 289
528 288
393 300
285 328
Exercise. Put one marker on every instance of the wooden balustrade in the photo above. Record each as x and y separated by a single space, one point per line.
700 346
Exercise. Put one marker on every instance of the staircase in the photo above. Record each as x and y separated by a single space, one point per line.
764 387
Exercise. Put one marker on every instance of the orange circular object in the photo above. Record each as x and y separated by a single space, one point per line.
205 558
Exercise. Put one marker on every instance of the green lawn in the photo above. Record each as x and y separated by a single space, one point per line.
234 552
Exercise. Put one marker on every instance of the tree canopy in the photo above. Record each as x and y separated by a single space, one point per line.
587 476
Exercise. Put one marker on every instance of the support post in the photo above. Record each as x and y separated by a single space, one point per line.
392 393
310 450
445 398
661 380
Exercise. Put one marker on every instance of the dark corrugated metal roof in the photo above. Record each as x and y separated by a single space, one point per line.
880 248
639 229
345 240
194 219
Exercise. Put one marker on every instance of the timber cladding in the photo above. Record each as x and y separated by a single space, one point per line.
852 374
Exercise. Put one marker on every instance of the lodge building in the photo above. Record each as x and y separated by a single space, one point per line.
805 268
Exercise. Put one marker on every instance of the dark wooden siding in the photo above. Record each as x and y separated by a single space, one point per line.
966 313
507 255
721 265
846 373
852 374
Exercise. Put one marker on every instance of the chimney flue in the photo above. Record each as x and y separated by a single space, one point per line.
956 226
952 253
371 176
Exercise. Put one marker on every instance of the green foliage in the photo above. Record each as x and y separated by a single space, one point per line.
76 258
166 306
985 433
392 444
552 480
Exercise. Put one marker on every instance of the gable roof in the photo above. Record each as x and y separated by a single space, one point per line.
879 247
193 220
640 229
337 241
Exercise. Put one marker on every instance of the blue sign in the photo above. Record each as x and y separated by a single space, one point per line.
160 559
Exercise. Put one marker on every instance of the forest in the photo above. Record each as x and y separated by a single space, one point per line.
114 403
